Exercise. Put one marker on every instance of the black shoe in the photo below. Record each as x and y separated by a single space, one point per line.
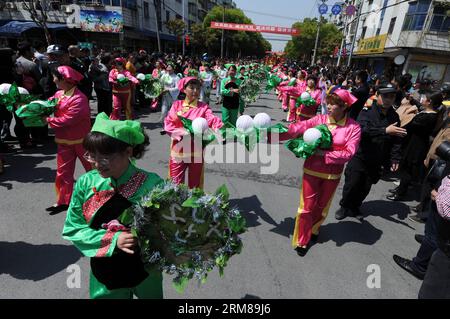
393 191
416 218
301 251
355 213
57 209
419 238
341 213
5 149
395 197
162 132
406 265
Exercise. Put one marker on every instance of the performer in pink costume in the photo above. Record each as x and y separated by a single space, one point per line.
284 88
121 93
71 123
294 94
191 108
305 113
322 171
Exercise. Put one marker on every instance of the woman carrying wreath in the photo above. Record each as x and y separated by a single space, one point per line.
99 214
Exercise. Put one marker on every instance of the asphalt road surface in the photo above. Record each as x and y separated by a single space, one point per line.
35 262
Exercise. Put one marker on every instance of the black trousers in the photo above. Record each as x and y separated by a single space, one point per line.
5 122
429 243
104 101
436 284
358 182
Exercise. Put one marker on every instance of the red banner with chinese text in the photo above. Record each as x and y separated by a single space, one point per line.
255 28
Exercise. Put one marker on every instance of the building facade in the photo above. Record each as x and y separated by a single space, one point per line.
396 36
143 21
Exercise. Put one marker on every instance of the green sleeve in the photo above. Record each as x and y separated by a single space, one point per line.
89 241
223 90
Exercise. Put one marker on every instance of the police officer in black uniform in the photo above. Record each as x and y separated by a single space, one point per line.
380 144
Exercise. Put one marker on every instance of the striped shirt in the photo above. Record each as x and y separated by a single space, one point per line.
443 199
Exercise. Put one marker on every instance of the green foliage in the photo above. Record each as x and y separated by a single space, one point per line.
302 46
238 42
176 26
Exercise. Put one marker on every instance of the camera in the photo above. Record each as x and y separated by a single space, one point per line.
441 166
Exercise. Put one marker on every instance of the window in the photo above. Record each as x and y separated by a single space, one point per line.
440 21
417 13
146 10
392 25
115 3
363 34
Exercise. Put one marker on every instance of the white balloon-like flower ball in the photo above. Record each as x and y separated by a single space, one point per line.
262 120
244 123
305 96
4 88
120 76
311 136
199 125
140 76
23 91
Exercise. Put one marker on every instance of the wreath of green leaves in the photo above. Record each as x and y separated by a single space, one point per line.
186 232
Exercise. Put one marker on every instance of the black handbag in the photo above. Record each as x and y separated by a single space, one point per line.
121 270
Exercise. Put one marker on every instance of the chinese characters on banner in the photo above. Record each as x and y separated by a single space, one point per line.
255 28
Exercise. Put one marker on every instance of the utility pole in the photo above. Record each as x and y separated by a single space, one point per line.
223 32
344 40
184 29
317 38
360 5
157 27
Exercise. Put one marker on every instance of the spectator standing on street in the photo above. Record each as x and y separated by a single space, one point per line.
361 92
381 139
419 130
99 73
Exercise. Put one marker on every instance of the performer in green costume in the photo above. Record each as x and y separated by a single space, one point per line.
231 99
99 214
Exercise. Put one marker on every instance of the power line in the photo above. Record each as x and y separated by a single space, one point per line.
271 15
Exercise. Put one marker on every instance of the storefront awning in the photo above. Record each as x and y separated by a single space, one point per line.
16 28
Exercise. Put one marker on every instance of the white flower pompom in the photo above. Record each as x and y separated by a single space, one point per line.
120 76
199 125
23 91
4 88
311 136
141 76
262 120
244 124
305 96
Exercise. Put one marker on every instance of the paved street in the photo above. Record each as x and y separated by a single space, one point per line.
34 257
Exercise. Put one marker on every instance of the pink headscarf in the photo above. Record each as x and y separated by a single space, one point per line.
346 96
184 82
69 74
121 60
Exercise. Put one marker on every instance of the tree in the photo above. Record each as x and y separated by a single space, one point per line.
39 14
176 27
302 46
237 42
